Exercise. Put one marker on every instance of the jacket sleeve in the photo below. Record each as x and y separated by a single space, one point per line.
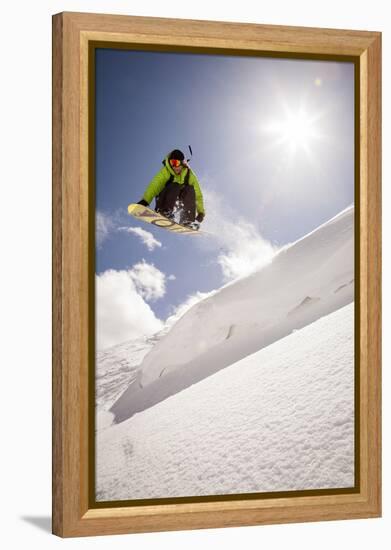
198 194
156 185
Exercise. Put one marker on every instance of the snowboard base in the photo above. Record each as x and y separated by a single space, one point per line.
148 215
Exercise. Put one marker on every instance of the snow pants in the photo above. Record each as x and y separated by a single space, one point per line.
177 197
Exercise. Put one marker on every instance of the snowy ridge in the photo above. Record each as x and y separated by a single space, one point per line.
305 281
280 419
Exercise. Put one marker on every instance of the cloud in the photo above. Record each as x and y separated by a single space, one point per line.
149 281
243 250
121 312
245 253
107 224
146 237
104 225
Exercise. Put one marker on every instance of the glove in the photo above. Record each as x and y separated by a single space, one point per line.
200 217
143 202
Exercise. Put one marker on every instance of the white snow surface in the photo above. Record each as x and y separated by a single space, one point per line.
304 282
280 419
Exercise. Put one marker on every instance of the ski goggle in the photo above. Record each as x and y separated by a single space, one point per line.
175 162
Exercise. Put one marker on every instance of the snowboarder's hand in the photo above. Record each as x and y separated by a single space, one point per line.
200 217
143 202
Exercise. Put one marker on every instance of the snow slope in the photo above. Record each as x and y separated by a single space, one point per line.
280 419
117 366
305 281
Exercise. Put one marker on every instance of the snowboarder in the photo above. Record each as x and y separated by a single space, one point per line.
176 190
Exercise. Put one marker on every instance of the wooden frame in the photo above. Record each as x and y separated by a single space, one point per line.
72 33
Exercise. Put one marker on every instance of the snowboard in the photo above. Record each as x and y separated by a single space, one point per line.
148 215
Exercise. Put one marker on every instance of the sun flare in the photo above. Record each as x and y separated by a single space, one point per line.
295 131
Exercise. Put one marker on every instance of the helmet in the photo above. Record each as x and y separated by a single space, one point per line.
176 154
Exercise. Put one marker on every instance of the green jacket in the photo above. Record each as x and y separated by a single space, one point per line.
156 185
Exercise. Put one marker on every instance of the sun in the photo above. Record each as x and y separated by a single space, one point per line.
294 131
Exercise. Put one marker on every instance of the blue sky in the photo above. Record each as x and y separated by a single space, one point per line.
273 149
